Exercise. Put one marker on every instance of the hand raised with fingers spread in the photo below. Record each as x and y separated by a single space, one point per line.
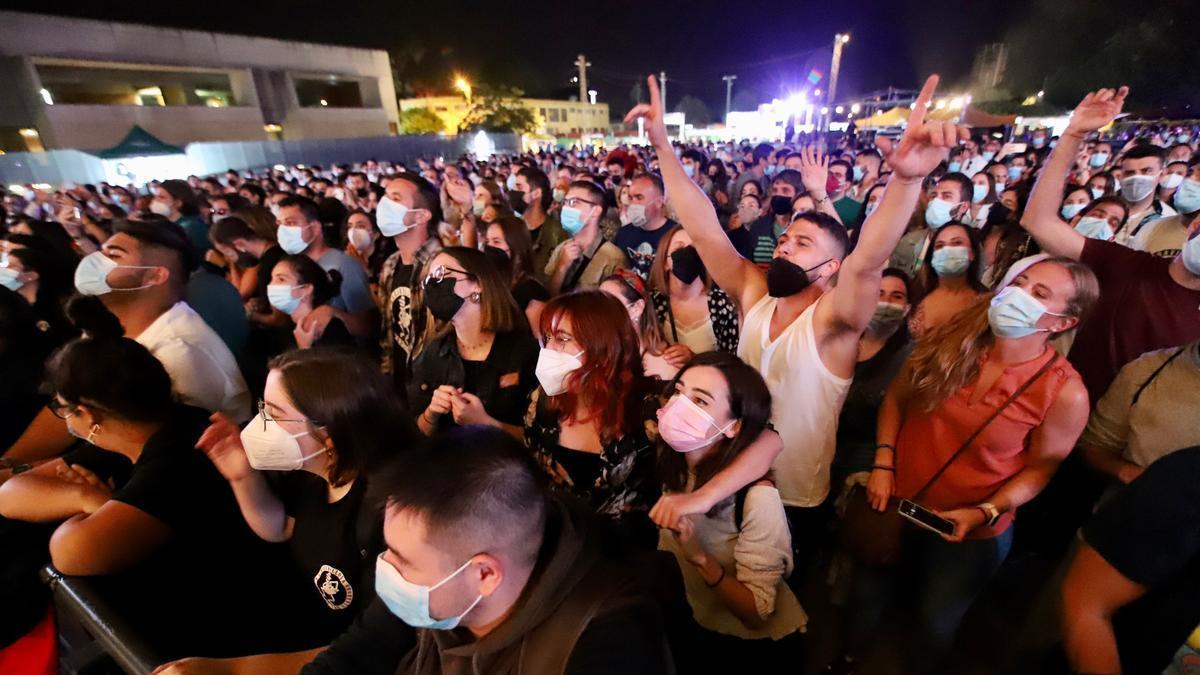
814 170
652 113
924 145
1097 109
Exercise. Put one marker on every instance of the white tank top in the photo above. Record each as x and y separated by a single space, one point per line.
806 400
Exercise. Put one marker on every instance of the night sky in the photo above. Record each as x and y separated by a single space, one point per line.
771 46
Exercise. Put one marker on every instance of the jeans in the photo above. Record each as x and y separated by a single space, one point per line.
943 578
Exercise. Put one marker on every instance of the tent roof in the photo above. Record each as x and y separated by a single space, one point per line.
139 143
889 118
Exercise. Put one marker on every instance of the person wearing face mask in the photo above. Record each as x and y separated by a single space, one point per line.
244 251
301 471
999 174
1173 176
870 203
696 315
951 201
475 364
42 286
489 204
749 209
972 428
866 175
531 198
845 206
983 195
734 558
629 289
143 507
299 286
799 329
177 202
1141 173
948 280
1075 200
457 573
763 234
365 244
756 171
647 222
1146 302
1166 237
586 258
140 277
1100 218
300 232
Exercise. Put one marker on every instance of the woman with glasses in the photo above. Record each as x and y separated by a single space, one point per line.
300 471
475 364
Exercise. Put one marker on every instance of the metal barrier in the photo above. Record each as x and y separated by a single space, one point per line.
90 632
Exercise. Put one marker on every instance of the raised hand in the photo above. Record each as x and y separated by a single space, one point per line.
652 113
1097 109
814 170
924 145
460 192
222 442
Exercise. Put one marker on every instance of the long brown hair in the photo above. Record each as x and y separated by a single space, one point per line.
648 328
659 276
520 245
603 389
950 356
497 308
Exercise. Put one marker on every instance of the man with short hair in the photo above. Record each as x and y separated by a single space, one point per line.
847 209
866 174
950 202
1166 236
584 260
648 222
1141 172
489 573
530 198
759 243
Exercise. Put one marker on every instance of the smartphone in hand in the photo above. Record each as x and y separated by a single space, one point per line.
925 518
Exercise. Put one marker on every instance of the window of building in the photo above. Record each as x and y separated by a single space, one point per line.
553 115
328 93
98 85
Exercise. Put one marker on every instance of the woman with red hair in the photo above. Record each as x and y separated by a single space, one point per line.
591 423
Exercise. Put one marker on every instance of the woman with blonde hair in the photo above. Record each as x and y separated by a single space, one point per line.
973 427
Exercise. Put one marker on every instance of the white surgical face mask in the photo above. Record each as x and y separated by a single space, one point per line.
291 239
553 367
269 447
359 238
1137 187
161 208
409 602
390 217
1171 181
91 276
636 215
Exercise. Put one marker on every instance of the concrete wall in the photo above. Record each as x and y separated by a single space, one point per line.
302 123
95 127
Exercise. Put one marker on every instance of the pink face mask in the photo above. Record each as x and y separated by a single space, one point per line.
685 426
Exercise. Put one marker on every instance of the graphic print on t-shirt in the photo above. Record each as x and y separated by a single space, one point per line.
333 587
641 258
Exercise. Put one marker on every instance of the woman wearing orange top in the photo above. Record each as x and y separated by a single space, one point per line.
991 362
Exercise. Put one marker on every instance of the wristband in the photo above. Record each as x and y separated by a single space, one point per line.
889 446
719 579
882 467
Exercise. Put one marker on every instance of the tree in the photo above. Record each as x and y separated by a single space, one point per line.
694 111
499 109
420 121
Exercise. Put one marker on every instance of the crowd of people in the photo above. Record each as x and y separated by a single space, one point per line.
652 409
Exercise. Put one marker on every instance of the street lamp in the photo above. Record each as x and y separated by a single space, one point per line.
855 108
461 84
839 41
838 110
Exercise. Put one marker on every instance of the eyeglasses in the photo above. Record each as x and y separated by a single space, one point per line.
266 416
60 409
438 273
576 201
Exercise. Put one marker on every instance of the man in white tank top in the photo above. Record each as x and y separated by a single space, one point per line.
798 328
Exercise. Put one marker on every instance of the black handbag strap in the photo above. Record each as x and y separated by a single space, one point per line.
995 413
1155 374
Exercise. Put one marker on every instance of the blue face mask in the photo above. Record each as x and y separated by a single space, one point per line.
1014 172
1014 313
281 298
978 193
1191 255
951 261
988 155
1039 141
572 220
1097 193
1068 211
1000 186
858 174
954 167
771 169
10 279
938 213
1094 228
409 601
690 170
1187 197
1098 160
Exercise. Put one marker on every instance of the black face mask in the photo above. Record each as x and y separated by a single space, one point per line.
500 259
785 277
441 299
781 206
686 264
246 259
361 192
516 199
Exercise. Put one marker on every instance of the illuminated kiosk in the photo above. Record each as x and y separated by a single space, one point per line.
141 157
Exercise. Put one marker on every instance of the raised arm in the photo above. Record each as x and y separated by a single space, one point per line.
737 276
923 146
814 173
263 511
1041 217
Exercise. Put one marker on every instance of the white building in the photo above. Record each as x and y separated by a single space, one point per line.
77 83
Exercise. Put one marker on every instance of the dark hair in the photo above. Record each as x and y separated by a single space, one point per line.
179 189
597 193
1143 151
325 284
538 180
749 401
255 190
351 402
1115 201
229 229
520 245
927 278
762 152
476 489
830 226
791 177
843 163
498 311
232 199
909 288
862 213
966 189
114 374
155 231
308 208
697 157
426 198
53 285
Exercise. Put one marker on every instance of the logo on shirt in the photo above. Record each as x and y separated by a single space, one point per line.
333 587
641 258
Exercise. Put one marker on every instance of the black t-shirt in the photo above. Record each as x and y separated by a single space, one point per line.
1150 533
334 545
640 245
527 290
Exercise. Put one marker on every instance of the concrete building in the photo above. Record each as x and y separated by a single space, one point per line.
554 118
77 83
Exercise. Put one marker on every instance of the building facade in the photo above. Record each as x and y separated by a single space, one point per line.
78 83
554 118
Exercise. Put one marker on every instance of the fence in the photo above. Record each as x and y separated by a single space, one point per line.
59 166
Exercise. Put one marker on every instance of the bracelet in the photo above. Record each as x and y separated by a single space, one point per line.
881 467
719 579
889 446
425 416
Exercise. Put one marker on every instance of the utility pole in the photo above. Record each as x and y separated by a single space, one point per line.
839 41
662 88
728 93
583 64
